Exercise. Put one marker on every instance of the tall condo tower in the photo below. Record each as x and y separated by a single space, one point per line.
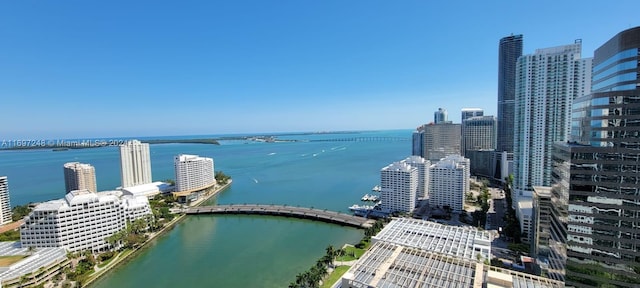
449 182
440 116
79 176
135 163
595 229
437 140
479 133
510 51
399 186
5 206
423 174
547 83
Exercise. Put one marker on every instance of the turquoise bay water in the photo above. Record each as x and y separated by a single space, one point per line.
231 251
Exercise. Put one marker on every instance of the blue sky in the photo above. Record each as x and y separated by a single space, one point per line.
144 68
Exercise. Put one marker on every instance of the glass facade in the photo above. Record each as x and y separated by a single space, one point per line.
595 218
510 51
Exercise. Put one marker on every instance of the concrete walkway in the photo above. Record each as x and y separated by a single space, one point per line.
343 263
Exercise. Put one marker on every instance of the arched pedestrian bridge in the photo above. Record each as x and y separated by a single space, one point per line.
287 211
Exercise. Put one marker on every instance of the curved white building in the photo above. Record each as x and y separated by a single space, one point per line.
193 173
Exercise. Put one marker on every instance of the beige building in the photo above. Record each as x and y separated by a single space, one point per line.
79 176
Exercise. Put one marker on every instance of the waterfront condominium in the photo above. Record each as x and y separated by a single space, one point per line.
470 112
423 174
437 141
81 220
547 82
399 186
479 133
135 163
449 182
193 173
5 206
79 176
509 52
595 226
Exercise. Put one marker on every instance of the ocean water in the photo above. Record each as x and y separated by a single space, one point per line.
231 251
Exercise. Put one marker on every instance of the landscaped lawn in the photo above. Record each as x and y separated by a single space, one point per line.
334 276
6 261
350 251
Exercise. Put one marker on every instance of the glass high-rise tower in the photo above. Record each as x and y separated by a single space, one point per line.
595 216
510 51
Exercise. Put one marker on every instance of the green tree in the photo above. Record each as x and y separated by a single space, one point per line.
221 178
20 211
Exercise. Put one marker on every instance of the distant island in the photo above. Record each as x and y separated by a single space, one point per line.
62 145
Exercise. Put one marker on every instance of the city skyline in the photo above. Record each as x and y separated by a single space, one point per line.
257 67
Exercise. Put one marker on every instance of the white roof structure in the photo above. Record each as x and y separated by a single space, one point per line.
389 265
133 202
456 241
77 197
498 278
148 190
40 257
399 166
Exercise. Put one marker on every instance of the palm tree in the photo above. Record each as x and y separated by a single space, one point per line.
327 260
331 252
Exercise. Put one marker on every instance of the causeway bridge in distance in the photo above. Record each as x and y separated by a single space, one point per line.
286 211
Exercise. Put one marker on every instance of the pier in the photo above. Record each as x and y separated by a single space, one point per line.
286 211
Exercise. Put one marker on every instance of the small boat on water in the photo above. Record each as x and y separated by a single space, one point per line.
368 197
367 210
376 188
356 207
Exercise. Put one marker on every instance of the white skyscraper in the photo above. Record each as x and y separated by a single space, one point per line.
5 206
547 82
423 174
135 163
399 186
79 176
193 173
449 182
